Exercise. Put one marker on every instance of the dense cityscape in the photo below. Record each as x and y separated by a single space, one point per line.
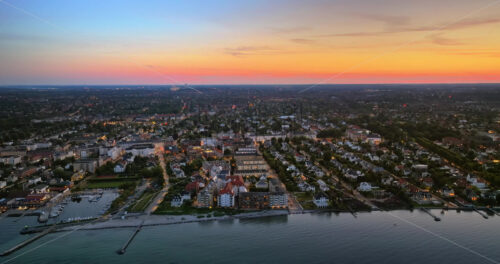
164 155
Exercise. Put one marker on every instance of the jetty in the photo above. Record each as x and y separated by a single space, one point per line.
124 248
437 219
27 242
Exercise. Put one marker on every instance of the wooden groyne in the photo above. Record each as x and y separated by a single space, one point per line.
124 248
431 214
493 211
27 242
480 213
352 212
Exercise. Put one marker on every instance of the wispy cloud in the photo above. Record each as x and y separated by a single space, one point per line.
251 50
290 30
305 41
390 20
439 39
490 54
393 27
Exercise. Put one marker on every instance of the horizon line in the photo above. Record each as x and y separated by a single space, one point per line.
248 84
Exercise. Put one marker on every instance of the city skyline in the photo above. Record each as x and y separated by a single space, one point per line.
255 42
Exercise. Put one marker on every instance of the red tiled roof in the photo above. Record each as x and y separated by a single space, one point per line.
192 186
228 189
236 180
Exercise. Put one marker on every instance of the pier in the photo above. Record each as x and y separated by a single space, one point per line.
124 248
437 219
27 242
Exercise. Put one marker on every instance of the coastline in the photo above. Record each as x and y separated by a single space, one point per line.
134 220
156 220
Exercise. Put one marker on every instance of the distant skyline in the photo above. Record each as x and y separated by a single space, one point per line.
78 42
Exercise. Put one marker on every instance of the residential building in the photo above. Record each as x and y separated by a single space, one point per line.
205 198
226 196
88 165
321 200
253 200
365 187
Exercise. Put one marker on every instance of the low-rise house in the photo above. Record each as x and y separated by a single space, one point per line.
28 172
448 192
299 158
422 197
34 180
262 183
41 188
318 172
322 186
471 195
12 178
186 196
177 171
77 176
353 174
387 180
120 167
194 187
306 187
36 200
428 182
176 201
365 187
321 200
11 160
476 181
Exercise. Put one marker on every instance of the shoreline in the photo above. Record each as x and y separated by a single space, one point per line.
157 220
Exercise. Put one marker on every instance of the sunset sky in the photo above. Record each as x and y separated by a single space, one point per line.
249 42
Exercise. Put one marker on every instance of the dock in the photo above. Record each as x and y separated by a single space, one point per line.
124 248
437 219
27 242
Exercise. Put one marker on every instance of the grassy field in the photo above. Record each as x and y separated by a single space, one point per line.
94 183
143 202
103 185
189 210
305 199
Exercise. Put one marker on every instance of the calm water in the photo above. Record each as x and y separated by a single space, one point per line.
378 237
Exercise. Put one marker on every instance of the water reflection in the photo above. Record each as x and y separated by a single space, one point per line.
268 220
